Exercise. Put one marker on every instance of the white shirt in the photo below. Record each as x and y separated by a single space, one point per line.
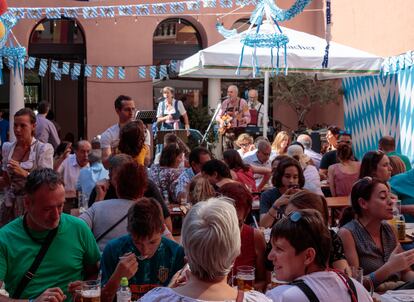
69 170
165 294
260 111
312 180
110 138
326 285
251 158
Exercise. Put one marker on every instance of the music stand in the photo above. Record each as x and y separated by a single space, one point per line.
181 133
147 116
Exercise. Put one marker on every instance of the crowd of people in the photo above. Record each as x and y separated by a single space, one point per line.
124 198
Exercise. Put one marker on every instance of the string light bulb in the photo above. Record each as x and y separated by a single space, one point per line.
136 19
96 23
115 21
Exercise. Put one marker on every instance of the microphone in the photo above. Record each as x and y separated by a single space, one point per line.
160 99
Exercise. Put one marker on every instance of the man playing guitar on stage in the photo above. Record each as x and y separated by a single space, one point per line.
233 117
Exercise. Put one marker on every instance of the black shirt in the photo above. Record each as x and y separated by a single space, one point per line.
328 159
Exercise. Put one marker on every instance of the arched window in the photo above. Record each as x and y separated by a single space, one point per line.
175 39
241 25
62 40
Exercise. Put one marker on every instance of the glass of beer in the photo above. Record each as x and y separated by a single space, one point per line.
245 277
275 282
91 291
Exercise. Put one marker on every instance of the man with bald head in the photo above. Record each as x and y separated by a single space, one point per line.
306 141
69 170
256 108
233 117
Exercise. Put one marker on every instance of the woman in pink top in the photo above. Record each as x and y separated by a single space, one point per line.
342 176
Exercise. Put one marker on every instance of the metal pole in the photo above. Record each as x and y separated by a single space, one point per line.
266 103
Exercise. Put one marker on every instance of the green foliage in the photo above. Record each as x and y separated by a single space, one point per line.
301 92
200 118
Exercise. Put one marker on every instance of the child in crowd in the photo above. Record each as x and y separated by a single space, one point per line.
143 256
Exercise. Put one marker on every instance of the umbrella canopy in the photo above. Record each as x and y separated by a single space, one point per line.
305 54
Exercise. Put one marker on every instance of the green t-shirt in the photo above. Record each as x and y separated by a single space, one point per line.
72 248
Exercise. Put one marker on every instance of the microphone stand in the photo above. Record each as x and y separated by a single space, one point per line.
211 122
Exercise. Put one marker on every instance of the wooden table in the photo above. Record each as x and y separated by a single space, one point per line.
336 204
177 213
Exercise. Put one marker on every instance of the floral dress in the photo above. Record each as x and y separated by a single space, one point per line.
164 177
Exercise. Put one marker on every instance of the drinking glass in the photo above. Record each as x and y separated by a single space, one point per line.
83 201
275 282
245 277
91 291
357 274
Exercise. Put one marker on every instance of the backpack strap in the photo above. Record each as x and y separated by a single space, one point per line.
306 290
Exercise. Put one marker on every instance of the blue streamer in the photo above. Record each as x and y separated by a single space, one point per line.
65 68
110 72
125 10
142 72
70 12
88 71
99 72
227 33
153 72
90 12
54 66
121 73
195 5
226 3
31 62
107 12
43 67
210 3
58 75
53 13
34 13
142 10
177 8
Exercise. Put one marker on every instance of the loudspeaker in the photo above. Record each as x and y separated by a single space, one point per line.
147 116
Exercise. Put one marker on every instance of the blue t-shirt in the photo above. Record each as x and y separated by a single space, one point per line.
153 272
402 184
267 199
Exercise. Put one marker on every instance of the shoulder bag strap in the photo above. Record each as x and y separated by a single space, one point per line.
111 228
306 290
350 285
240 296
30 274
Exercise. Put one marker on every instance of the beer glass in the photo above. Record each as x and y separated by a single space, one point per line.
275 282
245 277
357 274
91 291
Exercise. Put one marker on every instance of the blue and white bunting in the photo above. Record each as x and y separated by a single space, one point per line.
9 62
177 7
210 3
53 13
54 66
121 73
173 66
65 68
58 75
70 12
31 62
125 10
43 67
142 72
34 13
76 69
163 71
110 72
18 13
88 71
159 9
99 72
73 76
226 3
193 5
90 12
142 10
107 12
153 72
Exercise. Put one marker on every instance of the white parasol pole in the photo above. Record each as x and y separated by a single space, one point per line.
266 103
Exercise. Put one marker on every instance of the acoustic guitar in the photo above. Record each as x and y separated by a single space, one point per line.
227 119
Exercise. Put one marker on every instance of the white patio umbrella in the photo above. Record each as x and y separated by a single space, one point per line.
305 53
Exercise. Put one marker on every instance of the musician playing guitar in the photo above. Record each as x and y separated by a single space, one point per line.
233 117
